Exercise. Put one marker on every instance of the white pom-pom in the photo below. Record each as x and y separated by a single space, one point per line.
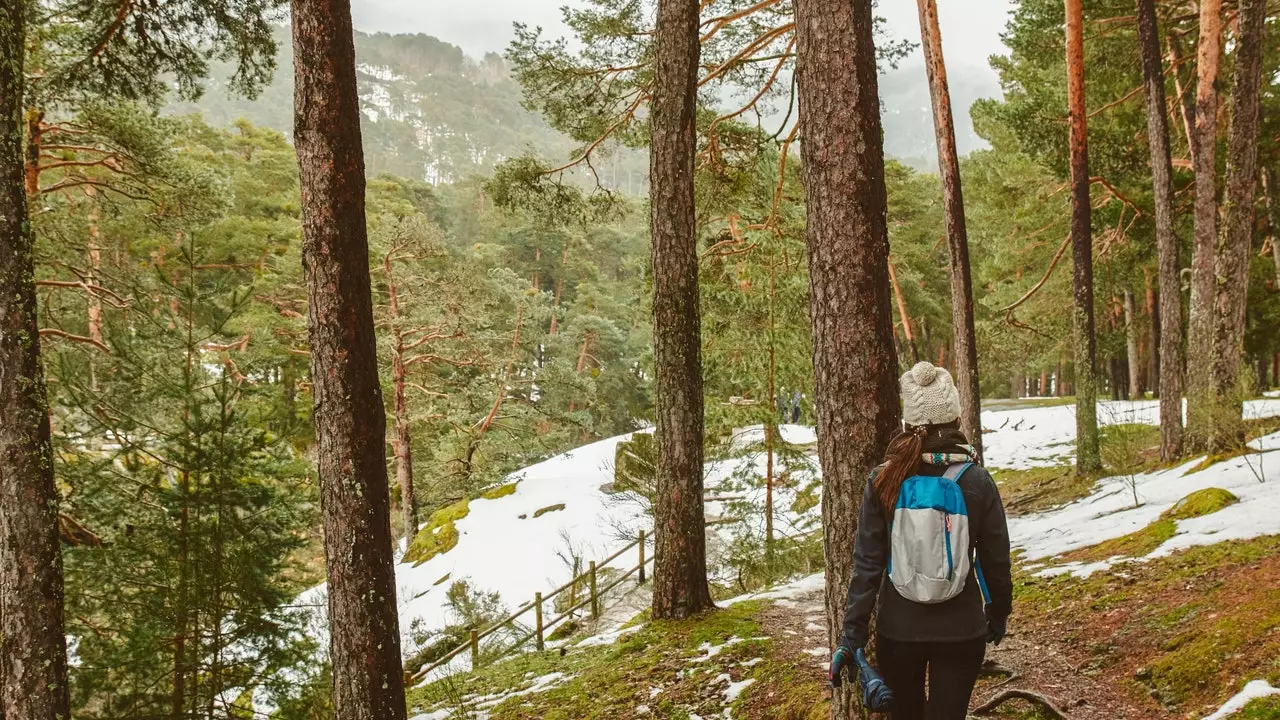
924 374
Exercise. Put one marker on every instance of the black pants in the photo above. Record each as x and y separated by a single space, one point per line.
951 668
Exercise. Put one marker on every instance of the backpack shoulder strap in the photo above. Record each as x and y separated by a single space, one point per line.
954 472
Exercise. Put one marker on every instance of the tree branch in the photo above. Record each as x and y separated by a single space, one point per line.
53 332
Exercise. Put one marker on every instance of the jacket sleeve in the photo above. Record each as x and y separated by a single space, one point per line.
993 548
870 557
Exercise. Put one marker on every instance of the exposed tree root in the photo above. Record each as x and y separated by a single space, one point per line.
1015 694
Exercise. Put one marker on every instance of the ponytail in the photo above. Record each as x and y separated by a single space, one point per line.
900 460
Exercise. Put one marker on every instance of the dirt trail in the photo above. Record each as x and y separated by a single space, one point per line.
1042 664
1039 658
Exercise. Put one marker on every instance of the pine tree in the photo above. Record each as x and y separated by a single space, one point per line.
965 339
1170 328
855 371
193 496
680 561
349 416
33 653
1204 142
1235 241
1087 450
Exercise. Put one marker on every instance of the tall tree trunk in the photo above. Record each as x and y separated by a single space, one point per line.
1152 339
1087 453
350 420
966 357
404 445
1169 384
1131 346
771 427
1235 241
33 651
902 313
400 407
1200 327
1273 217
555 305
854 364
680 560
1185 101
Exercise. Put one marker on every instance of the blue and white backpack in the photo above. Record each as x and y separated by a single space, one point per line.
929 556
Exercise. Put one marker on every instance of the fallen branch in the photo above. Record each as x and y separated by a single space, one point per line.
1004 696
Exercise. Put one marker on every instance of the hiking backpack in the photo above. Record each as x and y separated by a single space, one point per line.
929 557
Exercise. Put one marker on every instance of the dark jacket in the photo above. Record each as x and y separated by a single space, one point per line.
958 619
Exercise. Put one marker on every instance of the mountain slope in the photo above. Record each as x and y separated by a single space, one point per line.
430 112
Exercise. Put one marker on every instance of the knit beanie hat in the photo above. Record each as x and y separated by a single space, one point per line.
929 396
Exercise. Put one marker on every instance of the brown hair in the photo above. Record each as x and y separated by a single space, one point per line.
900 460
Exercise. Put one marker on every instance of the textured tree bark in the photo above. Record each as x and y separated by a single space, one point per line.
1087 452
680 559
1169 349
1199 379
350 420
855 368
1231 266
33 652
966 356
1131 346
400 407
404 446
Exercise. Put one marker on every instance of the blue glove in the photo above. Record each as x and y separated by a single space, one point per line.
997 627
841 659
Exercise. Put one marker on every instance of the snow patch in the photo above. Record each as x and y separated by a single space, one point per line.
1252 691
1110 511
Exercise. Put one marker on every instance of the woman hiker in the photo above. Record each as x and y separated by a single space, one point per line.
933 547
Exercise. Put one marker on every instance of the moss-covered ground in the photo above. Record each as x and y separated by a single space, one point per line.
1179 632
439 535
665 669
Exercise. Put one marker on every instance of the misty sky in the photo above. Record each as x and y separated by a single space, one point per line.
970 28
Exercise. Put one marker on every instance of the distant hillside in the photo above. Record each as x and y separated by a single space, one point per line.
433 113
430 112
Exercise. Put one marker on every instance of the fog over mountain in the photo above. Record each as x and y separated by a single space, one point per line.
970 30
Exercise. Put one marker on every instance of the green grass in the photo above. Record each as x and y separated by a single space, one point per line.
1042 488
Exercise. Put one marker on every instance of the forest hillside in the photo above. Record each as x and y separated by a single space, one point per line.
343 375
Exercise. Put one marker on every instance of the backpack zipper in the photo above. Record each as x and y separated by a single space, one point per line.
951 566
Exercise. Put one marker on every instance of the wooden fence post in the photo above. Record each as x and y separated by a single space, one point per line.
641 557
595 599
475 649
537 600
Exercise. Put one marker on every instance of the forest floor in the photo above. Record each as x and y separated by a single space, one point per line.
1137 597
1173 638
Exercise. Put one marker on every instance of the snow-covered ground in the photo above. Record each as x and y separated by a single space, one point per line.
503 548
1037 437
